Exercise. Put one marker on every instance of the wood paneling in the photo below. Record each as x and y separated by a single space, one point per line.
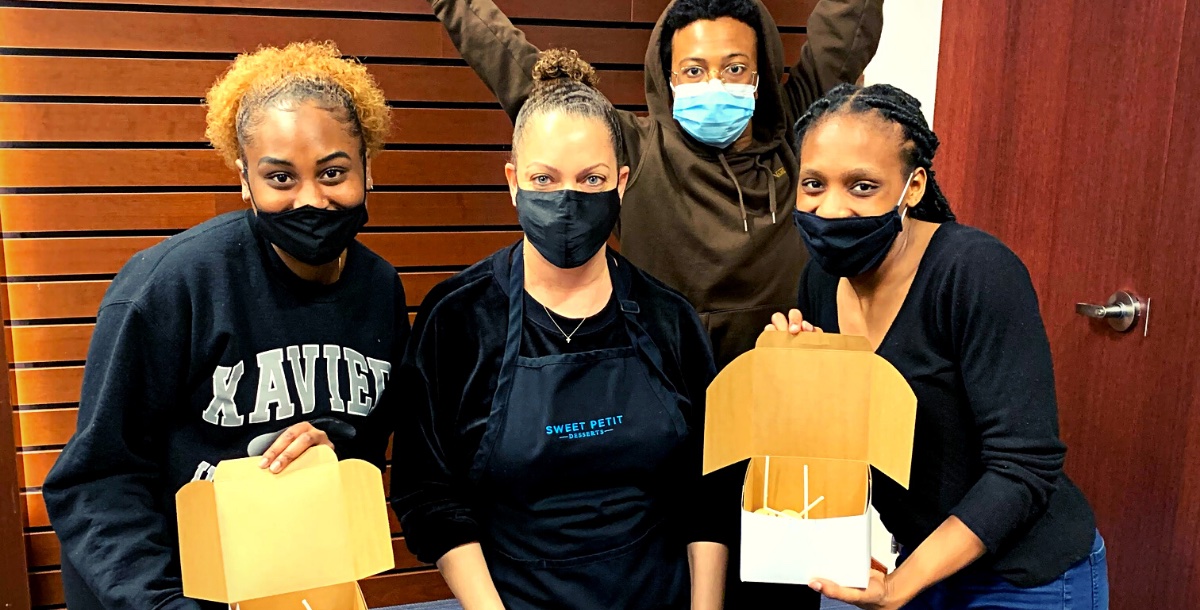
157 211
35 509
50 343
88 255
785 12
43 427
98 76
609 10
73 167
185 123
45 588
43 549
45 386
70 299
32 466
413 587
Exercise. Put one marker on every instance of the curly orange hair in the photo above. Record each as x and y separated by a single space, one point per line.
301 71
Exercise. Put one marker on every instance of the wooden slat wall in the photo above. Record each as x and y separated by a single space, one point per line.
103 155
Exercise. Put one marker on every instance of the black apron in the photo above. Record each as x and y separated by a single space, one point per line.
572 476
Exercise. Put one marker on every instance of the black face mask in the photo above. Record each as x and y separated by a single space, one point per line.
568 227
849 247
312 235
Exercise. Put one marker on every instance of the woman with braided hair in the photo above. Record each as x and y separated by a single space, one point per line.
989 519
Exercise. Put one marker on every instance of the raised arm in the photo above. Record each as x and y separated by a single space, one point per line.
842 38
492 46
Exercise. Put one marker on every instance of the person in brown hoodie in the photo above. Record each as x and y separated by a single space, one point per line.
713 221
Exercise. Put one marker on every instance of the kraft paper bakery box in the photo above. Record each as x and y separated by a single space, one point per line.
813 412
263 541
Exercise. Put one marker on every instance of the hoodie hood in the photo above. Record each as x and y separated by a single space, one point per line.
770 126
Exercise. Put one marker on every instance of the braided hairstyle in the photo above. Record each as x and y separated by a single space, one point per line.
893 106
564 82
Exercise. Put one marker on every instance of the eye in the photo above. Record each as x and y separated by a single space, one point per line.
541 180
595 180
736 69
693 72
333 173
278 179
864 189
811 186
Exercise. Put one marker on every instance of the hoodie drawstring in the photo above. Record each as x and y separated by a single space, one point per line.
741 203
771 193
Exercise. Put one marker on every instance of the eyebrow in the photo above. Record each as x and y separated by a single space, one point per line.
333 155
858 173
596 166
701 59
549 168
326 159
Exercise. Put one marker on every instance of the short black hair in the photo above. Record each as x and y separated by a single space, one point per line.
894 106
686 12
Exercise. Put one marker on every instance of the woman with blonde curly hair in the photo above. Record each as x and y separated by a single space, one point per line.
262 331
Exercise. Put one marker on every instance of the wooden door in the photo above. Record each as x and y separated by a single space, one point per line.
1067 132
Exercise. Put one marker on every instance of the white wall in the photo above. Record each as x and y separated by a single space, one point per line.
908 49
908 59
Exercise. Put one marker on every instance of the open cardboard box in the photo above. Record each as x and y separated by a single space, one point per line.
266 541
822 400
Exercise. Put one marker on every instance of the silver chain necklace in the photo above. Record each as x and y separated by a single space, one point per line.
564 333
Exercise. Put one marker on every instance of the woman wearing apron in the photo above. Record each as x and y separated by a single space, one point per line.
989 520
548 451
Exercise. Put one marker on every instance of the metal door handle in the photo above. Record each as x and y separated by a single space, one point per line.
1122 310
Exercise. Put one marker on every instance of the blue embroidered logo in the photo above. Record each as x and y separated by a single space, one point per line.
585 429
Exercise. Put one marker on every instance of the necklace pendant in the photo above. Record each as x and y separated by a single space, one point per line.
568 339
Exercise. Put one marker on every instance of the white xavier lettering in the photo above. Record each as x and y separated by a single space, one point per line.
356 366
333 354
272 389
274 398
304 374
222 410
381 370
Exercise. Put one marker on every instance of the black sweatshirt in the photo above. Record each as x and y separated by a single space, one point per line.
206 345
450 371
969 339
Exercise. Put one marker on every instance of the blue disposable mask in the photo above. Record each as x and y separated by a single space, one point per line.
713 112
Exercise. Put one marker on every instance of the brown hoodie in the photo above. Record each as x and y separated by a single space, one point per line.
714 225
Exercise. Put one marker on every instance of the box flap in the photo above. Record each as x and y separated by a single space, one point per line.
280 533
345 596
819 395
200 555
370 534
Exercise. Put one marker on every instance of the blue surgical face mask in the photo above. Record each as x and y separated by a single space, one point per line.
713 112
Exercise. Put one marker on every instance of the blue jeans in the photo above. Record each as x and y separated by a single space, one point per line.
1084 586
